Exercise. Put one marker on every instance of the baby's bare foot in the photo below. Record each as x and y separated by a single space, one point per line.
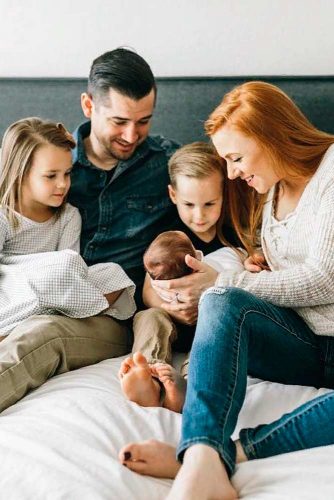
137 382
150 458
175 386
202 477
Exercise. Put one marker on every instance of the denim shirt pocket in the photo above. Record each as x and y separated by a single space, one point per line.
145 213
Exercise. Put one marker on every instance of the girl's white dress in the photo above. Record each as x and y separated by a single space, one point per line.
41 272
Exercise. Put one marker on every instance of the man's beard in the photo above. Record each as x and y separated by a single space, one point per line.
116 154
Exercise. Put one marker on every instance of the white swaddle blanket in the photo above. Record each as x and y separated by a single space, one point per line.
60 282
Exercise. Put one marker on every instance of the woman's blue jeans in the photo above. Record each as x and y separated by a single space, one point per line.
239 334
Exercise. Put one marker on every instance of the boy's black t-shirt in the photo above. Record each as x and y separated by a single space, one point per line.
212 245
186 332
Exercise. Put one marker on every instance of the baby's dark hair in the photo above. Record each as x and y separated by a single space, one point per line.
165 257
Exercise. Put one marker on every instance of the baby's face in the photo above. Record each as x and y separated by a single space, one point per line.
199 202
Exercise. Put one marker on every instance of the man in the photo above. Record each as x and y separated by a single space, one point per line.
120 176
119 184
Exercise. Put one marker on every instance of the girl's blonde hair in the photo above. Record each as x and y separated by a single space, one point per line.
199 160
266 114
20 142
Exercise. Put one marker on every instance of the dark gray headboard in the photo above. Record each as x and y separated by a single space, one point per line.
183 103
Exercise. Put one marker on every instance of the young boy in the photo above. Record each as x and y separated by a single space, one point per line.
197 181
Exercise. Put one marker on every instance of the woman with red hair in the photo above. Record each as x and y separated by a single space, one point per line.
276 324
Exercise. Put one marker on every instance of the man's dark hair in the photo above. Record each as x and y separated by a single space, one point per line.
122 70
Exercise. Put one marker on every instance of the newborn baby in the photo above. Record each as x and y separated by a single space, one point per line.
164 258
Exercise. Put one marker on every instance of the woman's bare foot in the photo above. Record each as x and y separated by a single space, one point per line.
241 455
137 382
150 458
202 477
158 459
175 386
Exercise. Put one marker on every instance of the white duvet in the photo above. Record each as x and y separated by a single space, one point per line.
62 440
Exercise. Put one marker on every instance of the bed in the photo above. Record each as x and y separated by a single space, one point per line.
61 441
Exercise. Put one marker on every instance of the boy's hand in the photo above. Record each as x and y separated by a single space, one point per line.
256 263
187 290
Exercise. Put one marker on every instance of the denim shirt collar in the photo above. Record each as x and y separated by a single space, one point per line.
79 154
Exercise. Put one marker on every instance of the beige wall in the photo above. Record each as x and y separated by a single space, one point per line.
177 37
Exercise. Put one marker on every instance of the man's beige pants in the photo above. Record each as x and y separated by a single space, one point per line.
154 332
43 346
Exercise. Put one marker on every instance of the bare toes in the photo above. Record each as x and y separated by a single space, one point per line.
165 373
139 359
126 365
150 458
130 452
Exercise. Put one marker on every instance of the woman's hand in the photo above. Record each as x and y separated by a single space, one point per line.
184 293
256 263
181 312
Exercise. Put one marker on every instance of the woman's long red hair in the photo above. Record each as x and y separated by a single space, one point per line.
265 113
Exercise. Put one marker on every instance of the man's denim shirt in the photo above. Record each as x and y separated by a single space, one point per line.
123 212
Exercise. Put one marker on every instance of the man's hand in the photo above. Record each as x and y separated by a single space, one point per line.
184 293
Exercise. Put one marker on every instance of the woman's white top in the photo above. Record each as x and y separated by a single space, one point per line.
300 254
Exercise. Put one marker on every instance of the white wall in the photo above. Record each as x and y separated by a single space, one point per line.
177 37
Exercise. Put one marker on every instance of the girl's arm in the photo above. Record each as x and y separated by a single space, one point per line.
70 236
113 296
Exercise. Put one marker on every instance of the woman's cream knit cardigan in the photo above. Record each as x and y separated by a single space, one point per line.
302 275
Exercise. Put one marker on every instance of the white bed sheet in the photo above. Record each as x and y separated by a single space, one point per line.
62 440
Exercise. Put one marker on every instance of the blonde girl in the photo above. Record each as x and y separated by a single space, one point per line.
41 270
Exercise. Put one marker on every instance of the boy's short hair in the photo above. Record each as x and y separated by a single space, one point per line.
164 258
122 70
197 160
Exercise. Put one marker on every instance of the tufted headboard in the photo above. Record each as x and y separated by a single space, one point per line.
182 107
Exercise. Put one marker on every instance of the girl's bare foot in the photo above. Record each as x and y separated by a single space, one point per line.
202 477
137 382
175 386
150 458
